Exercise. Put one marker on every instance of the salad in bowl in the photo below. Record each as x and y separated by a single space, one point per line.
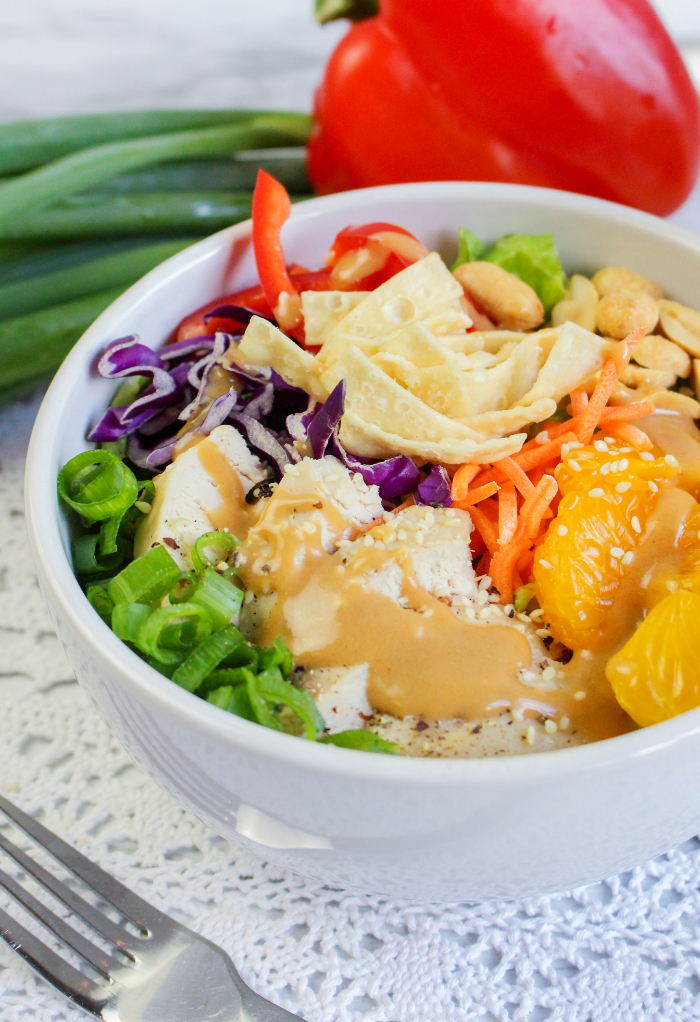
407 507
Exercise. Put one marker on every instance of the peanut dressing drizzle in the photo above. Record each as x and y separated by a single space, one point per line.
423 659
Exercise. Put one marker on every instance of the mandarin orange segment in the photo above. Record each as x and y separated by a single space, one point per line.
608 491
656 675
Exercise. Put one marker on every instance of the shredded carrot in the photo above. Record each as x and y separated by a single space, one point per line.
474 496
513 471
631 434
462 478
371 525
607 381
485 563
525 562
517 580
626 412
485 528
579 400
505 559
546 452
407 503
507 513
537 473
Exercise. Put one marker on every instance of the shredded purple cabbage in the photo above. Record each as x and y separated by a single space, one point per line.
238 313
272 415
435 488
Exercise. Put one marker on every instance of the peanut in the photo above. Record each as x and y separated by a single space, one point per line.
579 306
619 313
636 376
654 352
507 300
680 324
616 279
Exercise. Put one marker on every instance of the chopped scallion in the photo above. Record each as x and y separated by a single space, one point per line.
223 541
207 656
233 699
97 485
162 637
146 579
364 741
220 597
86 560
268 689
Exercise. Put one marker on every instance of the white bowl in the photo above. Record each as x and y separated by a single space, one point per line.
442 830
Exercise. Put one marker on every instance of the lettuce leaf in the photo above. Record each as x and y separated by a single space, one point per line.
533 258
470 248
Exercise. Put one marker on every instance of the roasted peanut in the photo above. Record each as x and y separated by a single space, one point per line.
505 299
579 306
656 352
696 377
620 313
617 279
680 324
636 376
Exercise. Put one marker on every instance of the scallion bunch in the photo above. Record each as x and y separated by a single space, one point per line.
90 204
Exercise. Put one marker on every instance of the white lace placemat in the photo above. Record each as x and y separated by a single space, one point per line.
625 950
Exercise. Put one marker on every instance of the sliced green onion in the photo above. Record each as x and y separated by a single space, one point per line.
116 447
245 655
276 655
365 741
127 619
183 588
128 390
223 676
86 560
158 638
109 531
146 579
223 541
207 656
220 597
165 669
524 596
100 600
97 485
233 700
268 689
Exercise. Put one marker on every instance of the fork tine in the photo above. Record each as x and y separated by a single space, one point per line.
129 904
73 984
91 915
92 954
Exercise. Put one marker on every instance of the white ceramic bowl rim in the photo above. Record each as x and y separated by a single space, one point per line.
43 520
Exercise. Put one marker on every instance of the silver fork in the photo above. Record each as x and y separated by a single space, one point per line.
163 973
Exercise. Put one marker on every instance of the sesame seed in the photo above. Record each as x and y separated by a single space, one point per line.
548 673
578 696
482 598
672 585
486 582
635 524
310 528
596 492
401 535
484 614
530 734
615 466
624 464
369 541
628 558
646 456
609 439
429 517
574 445
494 609
420 536
522 617
574 465
536 614
471 613
562 530
543 633
542 438
563 723
545 564
652 486
601 446
617 551
565 449
623 487
604 469
550 726
626 450
670 460
624 668
450 512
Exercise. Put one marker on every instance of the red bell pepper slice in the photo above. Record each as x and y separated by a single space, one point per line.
271 208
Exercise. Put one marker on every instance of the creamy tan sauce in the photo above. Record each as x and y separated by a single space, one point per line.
424 660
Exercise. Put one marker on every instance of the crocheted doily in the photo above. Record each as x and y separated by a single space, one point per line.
624 950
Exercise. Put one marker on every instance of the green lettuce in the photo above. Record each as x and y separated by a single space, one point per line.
471 248
533 258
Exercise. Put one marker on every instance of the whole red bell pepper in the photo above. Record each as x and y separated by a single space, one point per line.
586 95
